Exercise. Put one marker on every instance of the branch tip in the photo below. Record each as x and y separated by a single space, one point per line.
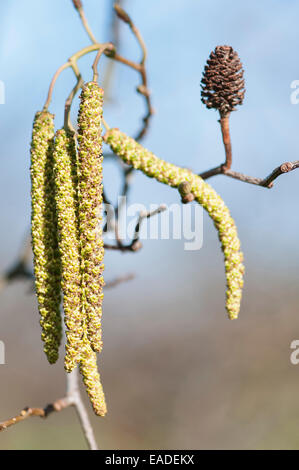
77 4
122 15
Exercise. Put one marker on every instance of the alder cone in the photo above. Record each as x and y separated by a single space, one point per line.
222 83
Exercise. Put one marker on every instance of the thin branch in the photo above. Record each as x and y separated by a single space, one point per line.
119 280
52 84
79 7
104 47
115 38
72 62
135 244
28 412
224 123
75 399
130 63
218 170
225 168
72 398
19 269
69 101
123 15
142 89
284 168
127 178
264 182
77 4
140 68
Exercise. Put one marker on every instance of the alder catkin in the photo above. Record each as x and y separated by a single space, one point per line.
78 349
91 379
134 154
44 233
90 203
66 180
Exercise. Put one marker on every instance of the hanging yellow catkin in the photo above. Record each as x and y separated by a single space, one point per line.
44 233
66 182
90 203
134 154
78 349
91 379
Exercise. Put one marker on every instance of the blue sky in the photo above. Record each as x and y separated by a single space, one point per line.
38 36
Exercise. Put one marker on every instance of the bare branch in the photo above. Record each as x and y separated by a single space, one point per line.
224 123
142 89
75 399
69 101
119 280
72 398
113 32
264 182
135 244
79 7
19 269
28 412
77 4
104 47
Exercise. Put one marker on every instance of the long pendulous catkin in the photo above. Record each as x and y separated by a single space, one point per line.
44 233
91 379
66 181
78 349
134 154
90 203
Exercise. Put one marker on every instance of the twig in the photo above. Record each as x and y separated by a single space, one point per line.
127 178
77 4
225 168
75 399
19 269
28 412
142 89
119 280
72 62
114 31
135 244
79 7
72 398
104 47
123 15
264 182
52 84
69 101
224 123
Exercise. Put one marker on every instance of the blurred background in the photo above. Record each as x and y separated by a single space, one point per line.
176 372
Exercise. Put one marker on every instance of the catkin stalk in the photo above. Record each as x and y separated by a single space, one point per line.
134 154
66 180
44 233
90 203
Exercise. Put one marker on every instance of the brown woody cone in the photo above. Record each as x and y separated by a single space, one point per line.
222 83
